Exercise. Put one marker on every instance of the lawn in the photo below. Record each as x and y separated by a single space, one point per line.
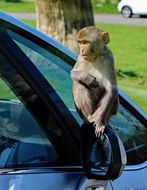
99 7
23 6
30 22
129 45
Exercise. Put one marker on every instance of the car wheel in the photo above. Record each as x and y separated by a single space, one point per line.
126 12
143 16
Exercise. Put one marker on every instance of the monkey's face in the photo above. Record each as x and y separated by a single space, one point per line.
91 42
86 50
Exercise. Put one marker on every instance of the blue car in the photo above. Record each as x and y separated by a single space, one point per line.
44 144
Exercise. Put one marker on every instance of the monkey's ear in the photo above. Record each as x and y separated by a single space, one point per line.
105 37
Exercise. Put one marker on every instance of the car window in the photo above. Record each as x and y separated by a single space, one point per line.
53 68
133 135
22 140
29 133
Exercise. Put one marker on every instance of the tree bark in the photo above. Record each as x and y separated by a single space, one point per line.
61 19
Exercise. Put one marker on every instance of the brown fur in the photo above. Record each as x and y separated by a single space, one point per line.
94 79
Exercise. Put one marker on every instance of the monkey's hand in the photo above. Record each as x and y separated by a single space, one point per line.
90 81
78 75
99 128
83 77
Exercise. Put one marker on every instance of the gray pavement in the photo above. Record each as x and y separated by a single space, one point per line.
99 18
118 19
31 16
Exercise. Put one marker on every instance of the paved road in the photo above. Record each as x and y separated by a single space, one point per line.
99 18
118 19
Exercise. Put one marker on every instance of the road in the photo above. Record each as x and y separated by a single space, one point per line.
99 18
118 19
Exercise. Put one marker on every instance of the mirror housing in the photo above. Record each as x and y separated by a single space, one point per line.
92 147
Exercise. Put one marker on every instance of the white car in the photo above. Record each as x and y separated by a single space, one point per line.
132 7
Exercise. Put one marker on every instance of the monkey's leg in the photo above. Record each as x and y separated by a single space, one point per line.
112 110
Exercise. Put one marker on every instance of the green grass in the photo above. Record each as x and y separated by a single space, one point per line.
30 22
23 6
5 91
99 7
129 46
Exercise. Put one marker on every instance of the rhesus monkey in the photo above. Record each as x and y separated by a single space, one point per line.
94 79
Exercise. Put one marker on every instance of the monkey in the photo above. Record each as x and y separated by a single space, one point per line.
94 87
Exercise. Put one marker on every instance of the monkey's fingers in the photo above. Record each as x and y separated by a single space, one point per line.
99 130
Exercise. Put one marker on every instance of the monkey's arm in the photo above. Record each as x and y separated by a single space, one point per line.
84 78
106 105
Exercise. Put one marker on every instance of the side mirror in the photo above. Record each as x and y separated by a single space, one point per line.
103 159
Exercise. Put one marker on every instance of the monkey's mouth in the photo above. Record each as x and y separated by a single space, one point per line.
85 56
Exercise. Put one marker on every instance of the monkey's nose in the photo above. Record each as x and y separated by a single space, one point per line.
82 50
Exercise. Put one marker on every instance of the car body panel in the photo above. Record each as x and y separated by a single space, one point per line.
137 6
48 180
133 177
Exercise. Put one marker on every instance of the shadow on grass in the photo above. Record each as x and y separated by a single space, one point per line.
127 73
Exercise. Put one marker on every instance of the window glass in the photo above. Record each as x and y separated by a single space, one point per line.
54 69
132 133
5 92
23 141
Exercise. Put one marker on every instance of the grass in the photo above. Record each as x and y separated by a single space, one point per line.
23 6
99 7
30 22
128 44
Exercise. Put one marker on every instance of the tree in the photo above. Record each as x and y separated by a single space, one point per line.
61 19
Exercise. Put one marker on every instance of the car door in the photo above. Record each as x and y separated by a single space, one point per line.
131 125
40 135
139 7
143 8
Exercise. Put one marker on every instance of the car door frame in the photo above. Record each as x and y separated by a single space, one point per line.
49 98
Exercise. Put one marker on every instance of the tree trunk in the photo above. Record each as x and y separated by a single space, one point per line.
61 19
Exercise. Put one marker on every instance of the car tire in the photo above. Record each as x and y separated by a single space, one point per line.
143 16
126 12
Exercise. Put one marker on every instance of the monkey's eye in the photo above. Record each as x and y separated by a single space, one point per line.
83 41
